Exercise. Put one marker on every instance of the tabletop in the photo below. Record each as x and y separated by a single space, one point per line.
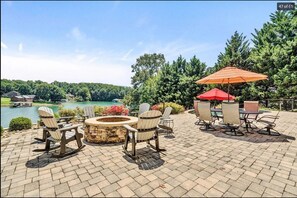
241 111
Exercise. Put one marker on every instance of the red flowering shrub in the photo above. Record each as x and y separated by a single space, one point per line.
116 110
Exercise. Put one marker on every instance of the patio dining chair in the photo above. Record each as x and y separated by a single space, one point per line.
166 122
146 130
205 115
62 135
269 124
197 111
60 121
231 118
251 106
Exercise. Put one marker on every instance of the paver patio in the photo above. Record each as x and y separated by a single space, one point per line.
196 164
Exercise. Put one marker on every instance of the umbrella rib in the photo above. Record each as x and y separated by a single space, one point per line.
242 78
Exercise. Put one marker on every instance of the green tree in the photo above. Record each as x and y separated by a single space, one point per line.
25 89
56 93
42 91
237 52
84 94
6 87
194 71
275 54
148 91
145 67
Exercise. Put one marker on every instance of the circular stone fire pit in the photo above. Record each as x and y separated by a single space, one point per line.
108 129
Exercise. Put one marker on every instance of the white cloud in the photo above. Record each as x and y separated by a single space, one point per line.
92 59
3 45
77 34
21 47
80 57
64 68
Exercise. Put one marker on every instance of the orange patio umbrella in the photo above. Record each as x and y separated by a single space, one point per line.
231 75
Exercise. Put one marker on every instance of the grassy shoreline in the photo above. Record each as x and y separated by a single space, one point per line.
5 102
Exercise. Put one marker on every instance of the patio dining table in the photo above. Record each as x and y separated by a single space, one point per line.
242 112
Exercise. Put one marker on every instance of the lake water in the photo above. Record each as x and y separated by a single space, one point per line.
7 113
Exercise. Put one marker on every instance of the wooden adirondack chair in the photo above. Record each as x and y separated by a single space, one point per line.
89 112
60 121
62 135
146 131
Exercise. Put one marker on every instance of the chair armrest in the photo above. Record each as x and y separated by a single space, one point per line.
268 116
61 124
129 128
167 119
69 128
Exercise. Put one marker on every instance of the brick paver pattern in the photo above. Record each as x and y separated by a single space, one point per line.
196 163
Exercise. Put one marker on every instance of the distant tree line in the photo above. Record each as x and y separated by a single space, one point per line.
56 91
274 53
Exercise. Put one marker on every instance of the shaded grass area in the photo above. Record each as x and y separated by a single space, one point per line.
5 101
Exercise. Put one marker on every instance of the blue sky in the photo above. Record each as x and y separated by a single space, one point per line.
99 41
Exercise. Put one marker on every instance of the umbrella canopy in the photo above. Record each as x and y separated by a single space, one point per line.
231 75
215 94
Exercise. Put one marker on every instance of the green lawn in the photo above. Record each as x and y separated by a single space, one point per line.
5 101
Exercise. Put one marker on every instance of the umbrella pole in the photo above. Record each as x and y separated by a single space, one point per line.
228 89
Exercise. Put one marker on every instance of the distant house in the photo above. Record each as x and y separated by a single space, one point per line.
69 97
11 94
117 100
23 100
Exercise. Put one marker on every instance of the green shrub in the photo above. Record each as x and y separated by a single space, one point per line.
67 112
56 115
79 111
176 108
20 123
99 110
2 130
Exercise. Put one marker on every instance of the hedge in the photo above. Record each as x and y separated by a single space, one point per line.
176 108
20 123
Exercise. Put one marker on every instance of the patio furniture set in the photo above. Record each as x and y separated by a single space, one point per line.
105 129
231 117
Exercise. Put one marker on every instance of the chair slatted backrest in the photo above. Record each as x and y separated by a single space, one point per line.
252 106
49 110
89 111
204 111
50 122
143 108
231 113
167 113
147 124
196 107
